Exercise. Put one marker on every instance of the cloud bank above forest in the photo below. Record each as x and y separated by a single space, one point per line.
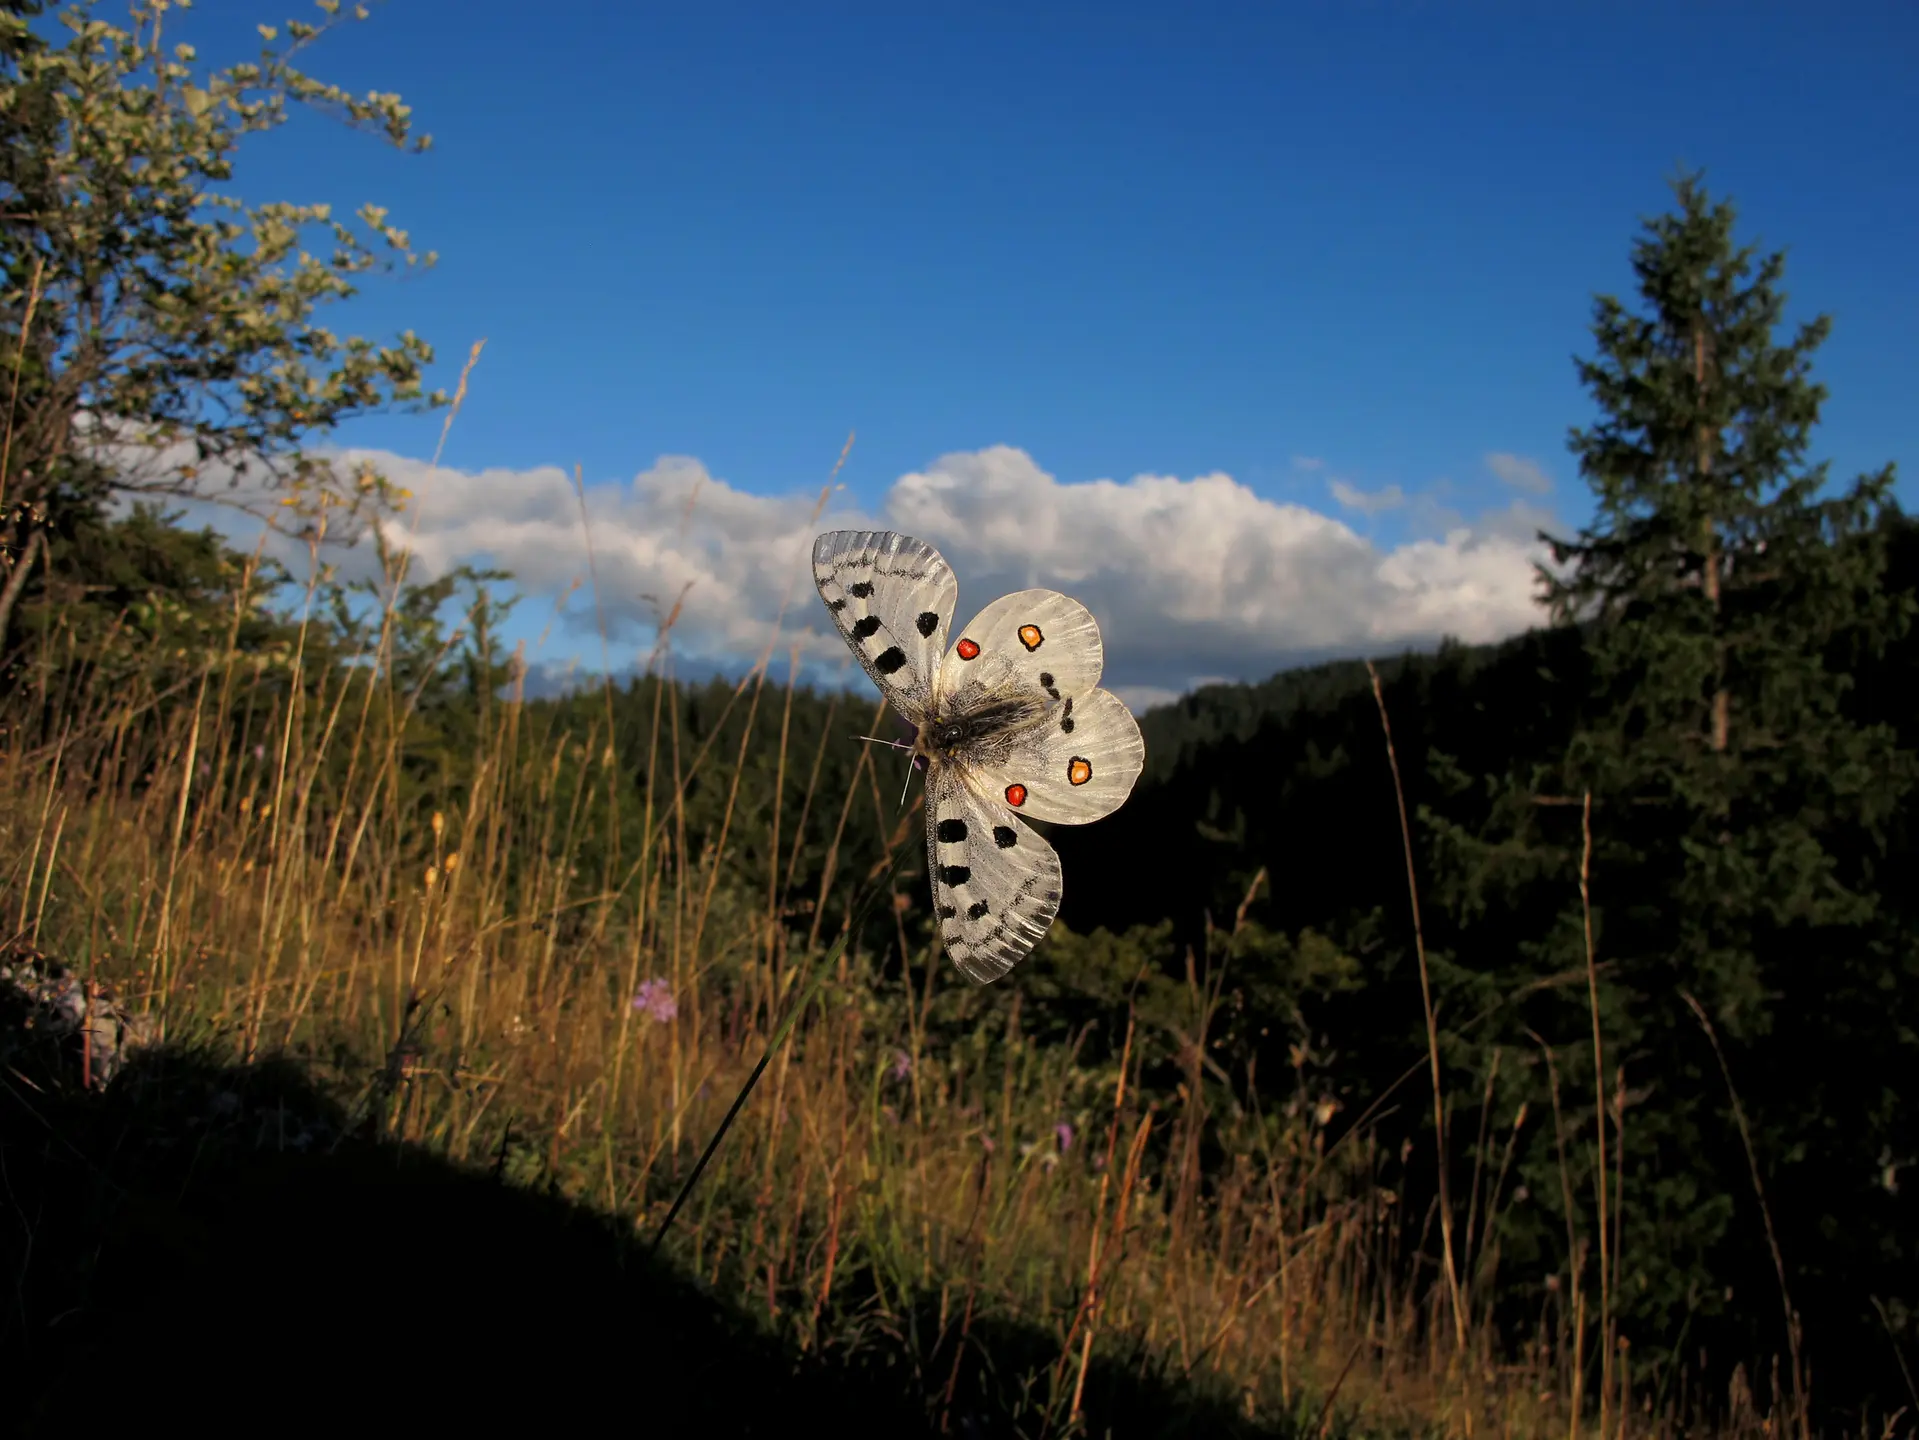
1192 579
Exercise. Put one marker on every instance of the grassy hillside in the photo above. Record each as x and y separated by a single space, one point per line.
446 993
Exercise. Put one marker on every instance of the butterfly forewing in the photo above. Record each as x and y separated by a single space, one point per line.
996 883
892 597
1079 764
1037 641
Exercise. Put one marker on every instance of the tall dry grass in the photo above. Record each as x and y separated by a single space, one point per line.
253 857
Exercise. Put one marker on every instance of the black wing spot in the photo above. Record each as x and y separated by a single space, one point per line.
955 874
976 911
1005 837
1046 679
1067 725
889 660
927 624
947 912
861 589
836 605
951 832
867 627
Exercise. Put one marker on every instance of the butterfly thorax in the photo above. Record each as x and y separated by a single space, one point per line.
974 724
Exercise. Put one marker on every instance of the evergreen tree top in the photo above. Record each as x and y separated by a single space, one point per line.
1698 458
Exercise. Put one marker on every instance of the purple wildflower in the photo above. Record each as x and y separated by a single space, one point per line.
655 998
1065 1133
902 1065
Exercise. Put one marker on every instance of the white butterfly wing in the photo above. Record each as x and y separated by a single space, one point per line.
1030 640
1077 765
996 883
892 597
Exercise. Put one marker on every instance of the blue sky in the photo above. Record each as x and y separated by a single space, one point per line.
1290 244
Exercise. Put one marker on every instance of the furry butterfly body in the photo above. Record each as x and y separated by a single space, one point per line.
1011 723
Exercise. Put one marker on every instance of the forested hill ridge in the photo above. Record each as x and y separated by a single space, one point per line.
1290 774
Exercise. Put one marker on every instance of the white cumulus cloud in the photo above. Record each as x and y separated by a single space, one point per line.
1191 578
1202 577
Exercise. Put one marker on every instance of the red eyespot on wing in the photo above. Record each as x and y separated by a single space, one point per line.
1079 770
968 649
1030 637
1016 795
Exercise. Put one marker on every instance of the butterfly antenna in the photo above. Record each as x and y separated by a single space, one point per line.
897 745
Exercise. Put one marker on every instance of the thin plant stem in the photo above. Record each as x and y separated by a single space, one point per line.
1432 1026
1599 1107
882 886
1802 1414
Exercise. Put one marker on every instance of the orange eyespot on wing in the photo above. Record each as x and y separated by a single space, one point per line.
968 649
1016 792
1078 770
1030 637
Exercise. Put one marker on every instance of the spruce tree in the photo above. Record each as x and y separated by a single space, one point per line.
1738 815
1718 579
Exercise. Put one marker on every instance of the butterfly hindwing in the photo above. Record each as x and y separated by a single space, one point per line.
1078 764
892 597
996 883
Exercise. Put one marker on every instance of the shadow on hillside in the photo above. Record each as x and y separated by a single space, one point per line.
187 1250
